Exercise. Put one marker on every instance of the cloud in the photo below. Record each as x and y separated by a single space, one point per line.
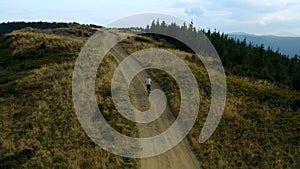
273 3
194 11
287 13
254 16
228 15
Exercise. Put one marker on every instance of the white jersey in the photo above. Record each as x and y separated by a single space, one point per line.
148 81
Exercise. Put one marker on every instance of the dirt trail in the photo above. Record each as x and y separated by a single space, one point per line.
181 156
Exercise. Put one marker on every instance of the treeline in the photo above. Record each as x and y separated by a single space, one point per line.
238 57
11 26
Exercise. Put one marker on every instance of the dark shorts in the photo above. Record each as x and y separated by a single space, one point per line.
148 87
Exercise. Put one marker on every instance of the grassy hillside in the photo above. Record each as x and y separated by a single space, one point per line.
39 126
12 26
30 48
259 129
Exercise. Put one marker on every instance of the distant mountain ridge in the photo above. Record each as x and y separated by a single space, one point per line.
284 44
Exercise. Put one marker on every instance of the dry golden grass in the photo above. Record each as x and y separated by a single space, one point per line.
25 42
39 128
38 117
254 132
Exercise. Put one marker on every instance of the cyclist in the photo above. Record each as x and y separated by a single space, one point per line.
148 84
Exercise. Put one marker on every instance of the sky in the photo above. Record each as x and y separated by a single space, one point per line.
269 17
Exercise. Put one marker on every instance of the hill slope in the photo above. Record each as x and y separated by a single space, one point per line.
260 127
